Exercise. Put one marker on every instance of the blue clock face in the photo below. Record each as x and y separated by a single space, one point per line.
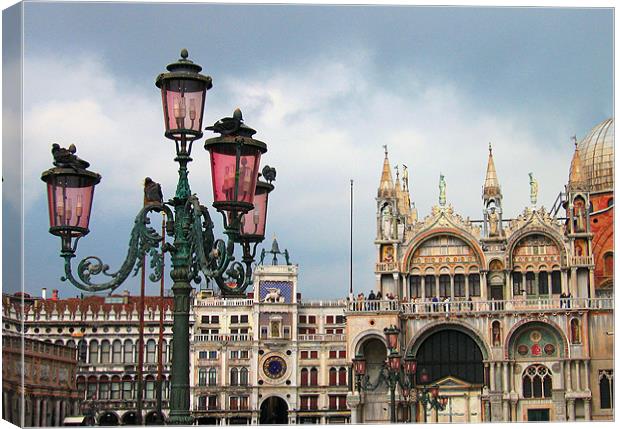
274 367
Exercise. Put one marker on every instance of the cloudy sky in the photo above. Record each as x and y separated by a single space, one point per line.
325 87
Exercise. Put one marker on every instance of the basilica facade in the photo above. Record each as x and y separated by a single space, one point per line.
510 318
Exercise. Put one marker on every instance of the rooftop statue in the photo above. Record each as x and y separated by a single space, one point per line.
533 189
442 190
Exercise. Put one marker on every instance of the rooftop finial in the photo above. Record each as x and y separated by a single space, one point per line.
490 149
385 150
184 53
574 139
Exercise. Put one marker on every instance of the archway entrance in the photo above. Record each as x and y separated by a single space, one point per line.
453 360
153 418
274 411
375 408
108 419
130 418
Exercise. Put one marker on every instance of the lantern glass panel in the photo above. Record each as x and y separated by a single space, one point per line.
70 201
253 222
394 361
183 101
392 337
434 391
230 186
360 365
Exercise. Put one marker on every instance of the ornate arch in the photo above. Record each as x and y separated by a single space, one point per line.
532 230
416 341
518 327
453 232
363 336
277 395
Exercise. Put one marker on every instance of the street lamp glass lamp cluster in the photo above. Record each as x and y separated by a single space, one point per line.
239 196
398 372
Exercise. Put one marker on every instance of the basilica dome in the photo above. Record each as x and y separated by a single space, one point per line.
597 157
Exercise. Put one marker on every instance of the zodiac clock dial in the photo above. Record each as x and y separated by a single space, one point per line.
274 367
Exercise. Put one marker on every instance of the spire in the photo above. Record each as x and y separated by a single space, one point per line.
386 186
575 178
491 183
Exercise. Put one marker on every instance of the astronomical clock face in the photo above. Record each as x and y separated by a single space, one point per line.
274 367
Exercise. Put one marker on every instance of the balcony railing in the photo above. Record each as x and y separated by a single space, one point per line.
323 303
582 260
224 302
321 337
459 307
222 337
369 306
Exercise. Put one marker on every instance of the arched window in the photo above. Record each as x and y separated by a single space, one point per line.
105 351
444 285
59 342
429 286
151 347
459 285
244 377
575 331
104 387
202 377
333 377
149 387
606 388
127 351
608 264
234 376
415 290
537 382
304 376
93 352
117 351
212 377
91 388
543 283
529 283
115 387
127 387
342 377
474 284
556 282
517 283
314 377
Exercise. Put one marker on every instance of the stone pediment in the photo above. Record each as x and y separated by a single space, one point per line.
453 383
445 217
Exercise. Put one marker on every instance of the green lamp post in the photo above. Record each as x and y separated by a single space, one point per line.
235 159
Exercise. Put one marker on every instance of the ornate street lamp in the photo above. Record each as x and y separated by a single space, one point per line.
235 160
428 396
391 334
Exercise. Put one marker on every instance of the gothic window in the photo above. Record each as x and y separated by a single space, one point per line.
104 388
128 351
459 285
529 283
243 377
127 387
212 377
444 285
149 387
416 287
115 387
537 382
543 283
606 388
117 351
304 376
474 284
202 377
556 282
234 376
429 286
575 331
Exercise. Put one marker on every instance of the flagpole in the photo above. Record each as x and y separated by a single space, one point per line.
351 248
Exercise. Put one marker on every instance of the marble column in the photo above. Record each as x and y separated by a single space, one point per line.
571 409
57 420
506 410
573 282
569 376
423 286
467 286
492 376
513 411
484 296
43 412
587 408
506 386
36 412
564 280
436 286
578 374
586 371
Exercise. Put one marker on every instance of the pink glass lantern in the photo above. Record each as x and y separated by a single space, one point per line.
391 334
359 364
253 222
235 160
394 361
70 191
443 401
424 377
434 391
183 91
410 364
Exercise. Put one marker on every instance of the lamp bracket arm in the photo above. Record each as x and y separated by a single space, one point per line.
143 239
